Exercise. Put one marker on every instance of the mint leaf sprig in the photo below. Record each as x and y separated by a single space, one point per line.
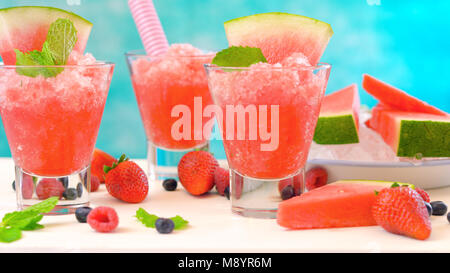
239 56
149 220
60 41
15 222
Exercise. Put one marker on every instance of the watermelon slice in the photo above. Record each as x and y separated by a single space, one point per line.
341 204
411 134
279 35
26 28
396 98
339 118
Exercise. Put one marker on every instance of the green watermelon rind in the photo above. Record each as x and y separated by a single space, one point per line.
336 130
424 137
48 8
264 16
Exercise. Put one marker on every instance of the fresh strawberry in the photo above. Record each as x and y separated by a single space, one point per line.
95 183
99 160
316 178
222 180
126 181
423 194
401 210
196 172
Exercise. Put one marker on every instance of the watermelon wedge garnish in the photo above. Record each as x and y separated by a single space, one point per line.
396 98
26 29
279 35
411 134
339 118
346 203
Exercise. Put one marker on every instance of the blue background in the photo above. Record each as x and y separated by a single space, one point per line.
404 43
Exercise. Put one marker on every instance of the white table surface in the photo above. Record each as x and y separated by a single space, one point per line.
213 228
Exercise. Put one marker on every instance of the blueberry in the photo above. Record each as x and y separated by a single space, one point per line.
170 184
227 192
429 208
70 194
439 208
14 185
448 217
64 181
288 192
79 189
82 213
164 225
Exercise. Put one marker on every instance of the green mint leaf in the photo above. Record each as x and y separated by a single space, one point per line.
8 235
149 220
18 219
33 223
145 218
28 218
61 39
44 206
179 222
395 185
238 56
36 58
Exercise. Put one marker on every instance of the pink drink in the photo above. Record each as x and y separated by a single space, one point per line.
267 144
163 82
52 123
293 86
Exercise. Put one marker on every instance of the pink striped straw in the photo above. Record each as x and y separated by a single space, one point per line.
149 26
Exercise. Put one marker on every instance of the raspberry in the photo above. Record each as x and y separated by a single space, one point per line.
423 194
49 187
316 178
103 219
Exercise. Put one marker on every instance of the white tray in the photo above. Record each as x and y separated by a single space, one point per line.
427 174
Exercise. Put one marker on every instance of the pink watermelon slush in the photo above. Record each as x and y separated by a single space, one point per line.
163 82
297 88
52 123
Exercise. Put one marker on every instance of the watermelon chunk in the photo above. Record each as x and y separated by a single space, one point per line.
339 118
411 134
279 35
396 98
26 28
341 204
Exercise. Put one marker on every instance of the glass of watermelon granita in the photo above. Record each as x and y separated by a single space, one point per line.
269 114
171 92
52 124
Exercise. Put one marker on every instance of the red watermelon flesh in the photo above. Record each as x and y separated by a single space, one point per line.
26 28
335 205
396 98
279 35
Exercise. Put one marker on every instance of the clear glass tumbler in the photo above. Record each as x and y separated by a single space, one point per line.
171 92
267 115
51 116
